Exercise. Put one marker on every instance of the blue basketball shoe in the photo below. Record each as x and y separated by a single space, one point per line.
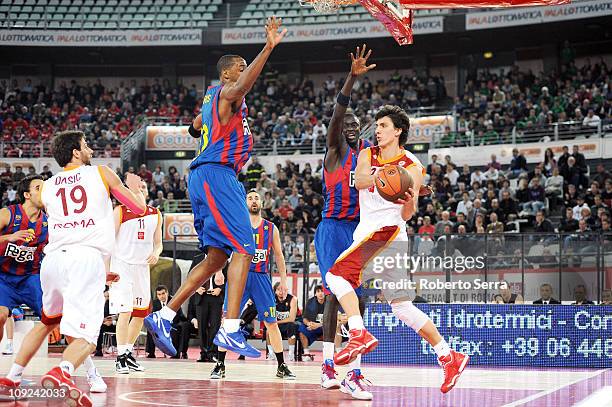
159 329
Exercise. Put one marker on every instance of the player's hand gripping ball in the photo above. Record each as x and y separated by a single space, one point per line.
392 182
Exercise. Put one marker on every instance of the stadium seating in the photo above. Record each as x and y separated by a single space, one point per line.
293 13
107 14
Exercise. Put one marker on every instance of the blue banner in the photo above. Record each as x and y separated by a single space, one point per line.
510 335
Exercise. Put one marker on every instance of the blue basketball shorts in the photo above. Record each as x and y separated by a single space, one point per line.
332 237
221 216
258 288
17 290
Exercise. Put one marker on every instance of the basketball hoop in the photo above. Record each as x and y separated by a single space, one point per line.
327 6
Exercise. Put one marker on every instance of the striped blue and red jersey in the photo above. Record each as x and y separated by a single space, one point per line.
341 198
228 144
264 237
23 258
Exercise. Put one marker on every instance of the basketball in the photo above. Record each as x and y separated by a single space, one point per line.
392 182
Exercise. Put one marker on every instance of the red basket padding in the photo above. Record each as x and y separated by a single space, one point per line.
479 3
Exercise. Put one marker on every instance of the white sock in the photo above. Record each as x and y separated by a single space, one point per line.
307 351
67 367
442 349
167 314
121 349
231 325
355 322
355 364
270 349
89 366
9 342
130 348
328 351
15 373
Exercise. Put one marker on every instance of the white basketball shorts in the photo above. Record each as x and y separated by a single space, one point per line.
132 293
73 281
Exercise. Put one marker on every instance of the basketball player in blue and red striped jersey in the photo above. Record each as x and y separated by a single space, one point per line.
259 286
217 197
24 236
341 209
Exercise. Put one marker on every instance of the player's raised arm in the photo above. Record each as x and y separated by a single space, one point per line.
195 127
364 178
236 91
130 196
279 258
157 241
336 142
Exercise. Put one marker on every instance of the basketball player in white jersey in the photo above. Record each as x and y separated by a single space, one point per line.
73 272
382 223
138 245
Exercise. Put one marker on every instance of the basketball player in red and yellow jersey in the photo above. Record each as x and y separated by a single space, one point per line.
139 244
382 223
73 273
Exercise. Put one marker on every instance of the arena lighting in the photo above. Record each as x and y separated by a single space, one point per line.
488 55
180 154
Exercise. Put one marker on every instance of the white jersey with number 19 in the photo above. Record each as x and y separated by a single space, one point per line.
79 209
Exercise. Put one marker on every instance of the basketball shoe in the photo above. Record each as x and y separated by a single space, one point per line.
354 384
96 383
453 366
121 365
360 342
58 379
132 363
218 371
160 329
236 342
283 372
328 375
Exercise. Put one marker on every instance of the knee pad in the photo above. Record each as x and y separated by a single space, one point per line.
338 285
410 315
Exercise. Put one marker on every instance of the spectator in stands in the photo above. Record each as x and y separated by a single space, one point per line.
546 298
580 296
466 176
580 205
554 188
477 177
569 224
451 174
518 164
145 174
494 163
254 171
491 174
565 155
536 196
601 175
18 175
442 223
544 227
591 120
312 327
537 173
549 163
170 205
494 226
606 195
46 172
508 205
580 159
158 176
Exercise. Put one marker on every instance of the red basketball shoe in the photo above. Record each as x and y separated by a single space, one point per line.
56 378
6 385
360 342
453 366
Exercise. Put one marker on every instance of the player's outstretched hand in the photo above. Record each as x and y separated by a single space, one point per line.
133 182
359 61
21 235
273 35
408 196
152 259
